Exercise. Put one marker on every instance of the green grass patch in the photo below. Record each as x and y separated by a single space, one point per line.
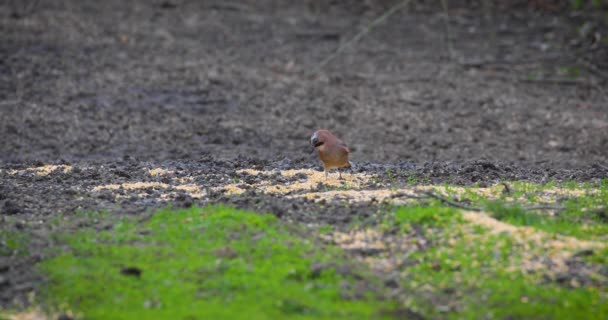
403 218
433 215
599 257
471 275
13 242
583 217
514 214
201 263
466 272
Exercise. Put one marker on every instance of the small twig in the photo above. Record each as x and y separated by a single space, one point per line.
362 33
405 195
447 201
428 194
507 190
543 207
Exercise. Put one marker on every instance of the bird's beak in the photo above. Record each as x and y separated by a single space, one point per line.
313 141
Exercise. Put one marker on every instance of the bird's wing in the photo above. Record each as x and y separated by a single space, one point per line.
343 146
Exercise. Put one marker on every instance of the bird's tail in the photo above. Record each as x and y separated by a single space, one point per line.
348 165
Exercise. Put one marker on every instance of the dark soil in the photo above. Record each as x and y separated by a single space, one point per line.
204 88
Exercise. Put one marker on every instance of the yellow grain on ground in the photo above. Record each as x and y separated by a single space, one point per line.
395 195
366 240
496 191
231 189
311 180
131 186
529 233
572 193
160 172
534 243
193 190
251 172
458 193
183 180
553 193
386 252
446 191
26 315
34 314
359 240
529 244
43 170
379 195
190 188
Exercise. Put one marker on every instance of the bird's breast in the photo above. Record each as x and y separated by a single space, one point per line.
333 157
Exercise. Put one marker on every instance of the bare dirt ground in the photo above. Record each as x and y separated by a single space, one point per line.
181 95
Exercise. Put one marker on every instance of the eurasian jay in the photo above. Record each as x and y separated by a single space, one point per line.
332 151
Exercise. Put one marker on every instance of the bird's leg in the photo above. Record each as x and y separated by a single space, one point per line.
339 174
325 174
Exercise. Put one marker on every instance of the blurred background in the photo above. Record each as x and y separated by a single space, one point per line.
516 81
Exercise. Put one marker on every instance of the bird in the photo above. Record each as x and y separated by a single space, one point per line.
332 151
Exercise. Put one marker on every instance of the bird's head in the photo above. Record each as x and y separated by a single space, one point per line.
320 139
317 140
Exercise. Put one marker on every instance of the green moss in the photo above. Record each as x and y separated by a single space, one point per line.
201 263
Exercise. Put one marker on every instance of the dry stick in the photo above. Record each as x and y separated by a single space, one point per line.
428 194
462 206
507 188
363 32
447 201
544 207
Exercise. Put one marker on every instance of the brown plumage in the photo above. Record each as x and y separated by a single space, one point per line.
332 151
